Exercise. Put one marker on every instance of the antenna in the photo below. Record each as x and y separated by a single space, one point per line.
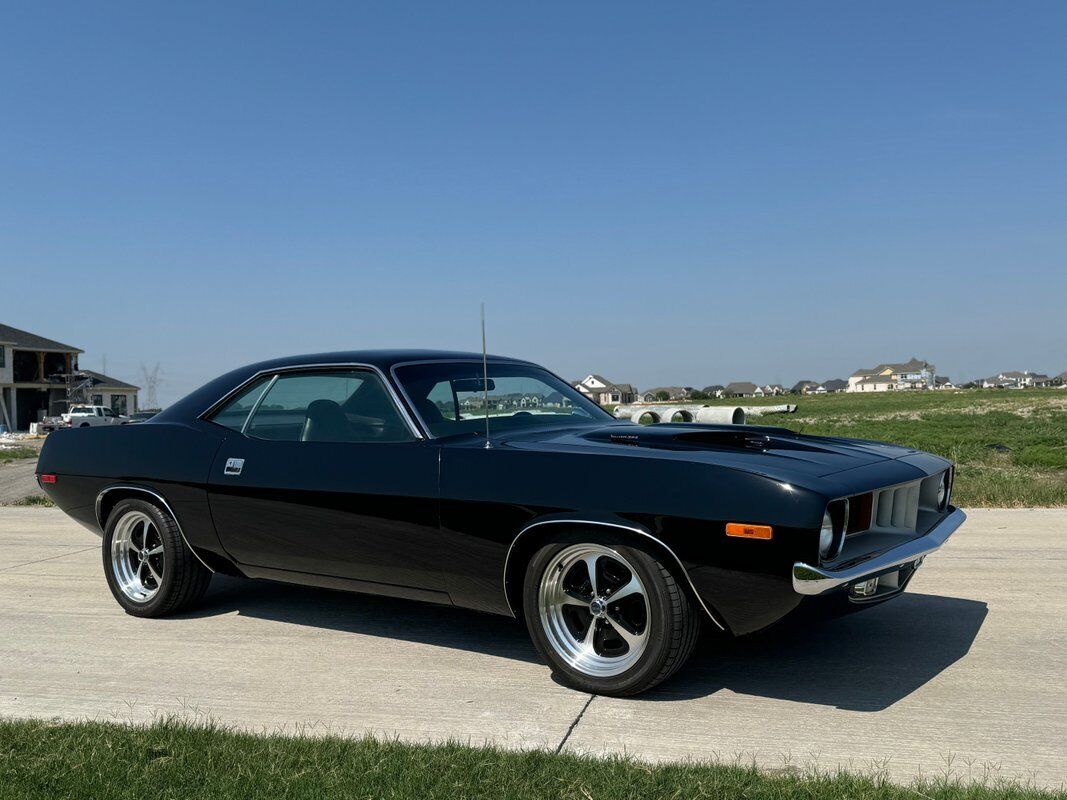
485 381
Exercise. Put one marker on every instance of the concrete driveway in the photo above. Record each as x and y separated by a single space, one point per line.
965 674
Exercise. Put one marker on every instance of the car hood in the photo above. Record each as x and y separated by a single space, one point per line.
775 452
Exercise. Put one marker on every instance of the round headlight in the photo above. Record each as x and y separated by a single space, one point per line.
826 536
942 491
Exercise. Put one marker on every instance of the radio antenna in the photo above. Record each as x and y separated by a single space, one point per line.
485 380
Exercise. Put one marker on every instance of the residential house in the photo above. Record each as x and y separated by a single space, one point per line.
835 385
600 390
742 389
672 392
913 374
773 390
39 377
715 390
943 382
1014 379
804 387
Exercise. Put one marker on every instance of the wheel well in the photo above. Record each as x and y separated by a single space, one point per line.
532 538
109 498
113 497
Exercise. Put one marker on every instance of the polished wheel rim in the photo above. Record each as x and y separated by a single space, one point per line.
594 610
137 556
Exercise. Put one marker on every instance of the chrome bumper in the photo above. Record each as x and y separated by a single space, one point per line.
814 580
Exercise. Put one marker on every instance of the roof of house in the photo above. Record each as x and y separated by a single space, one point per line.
800 386
99 379
941 379
598 378
1014 374
715 387
671 389
1037 377
875 379
835 385
741 387
1062 376
913 365
625 388
24 340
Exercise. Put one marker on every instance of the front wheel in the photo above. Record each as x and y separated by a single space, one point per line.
149 569
608 618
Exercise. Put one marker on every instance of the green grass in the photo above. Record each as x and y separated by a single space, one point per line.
35 500
15 453
170 760
1010 446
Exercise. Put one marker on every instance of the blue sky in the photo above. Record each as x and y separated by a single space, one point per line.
679 193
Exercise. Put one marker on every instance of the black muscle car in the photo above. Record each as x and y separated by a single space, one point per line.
501 488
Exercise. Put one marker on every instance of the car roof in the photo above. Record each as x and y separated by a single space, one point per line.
195 403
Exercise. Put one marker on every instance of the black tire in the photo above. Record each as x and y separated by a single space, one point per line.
673 620
184 578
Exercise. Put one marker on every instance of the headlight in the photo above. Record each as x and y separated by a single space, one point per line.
942 492
826 536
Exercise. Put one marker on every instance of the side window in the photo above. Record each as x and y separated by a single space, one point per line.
234 413
444 400
329 406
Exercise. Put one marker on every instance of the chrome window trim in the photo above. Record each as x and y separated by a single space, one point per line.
326 366
492 360
159 497
255 406
632 529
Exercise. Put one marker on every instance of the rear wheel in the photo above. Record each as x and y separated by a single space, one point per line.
608 618
149 568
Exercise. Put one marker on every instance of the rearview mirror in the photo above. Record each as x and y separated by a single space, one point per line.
480 385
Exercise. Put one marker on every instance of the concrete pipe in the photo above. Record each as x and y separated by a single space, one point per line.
721 415
637 413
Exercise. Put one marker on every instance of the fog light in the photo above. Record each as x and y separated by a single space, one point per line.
864 588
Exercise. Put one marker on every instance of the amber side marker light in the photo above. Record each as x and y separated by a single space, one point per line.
48 478
744 531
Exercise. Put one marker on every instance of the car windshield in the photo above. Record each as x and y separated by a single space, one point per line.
450 397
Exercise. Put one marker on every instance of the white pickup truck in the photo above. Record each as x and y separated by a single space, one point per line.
86 416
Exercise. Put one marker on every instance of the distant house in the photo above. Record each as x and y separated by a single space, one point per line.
742 389
773 389
943 382
647 397
1060 380
715 390
672 392
600 390
804 387
913 374
835 385
40 377
1013 379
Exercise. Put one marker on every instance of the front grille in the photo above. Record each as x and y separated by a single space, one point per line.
907 508
897 509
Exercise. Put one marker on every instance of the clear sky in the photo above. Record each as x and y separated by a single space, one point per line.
661 193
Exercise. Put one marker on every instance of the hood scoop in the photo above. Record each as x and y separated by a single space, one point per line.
761 441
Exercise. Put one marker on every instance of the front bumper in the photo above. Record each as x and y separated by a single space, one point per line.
811 580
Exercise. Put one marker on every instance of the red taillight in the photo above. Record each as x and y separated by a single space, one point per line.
48 478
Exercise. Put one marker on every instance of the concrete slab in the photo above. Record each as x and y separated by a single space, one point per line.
965 673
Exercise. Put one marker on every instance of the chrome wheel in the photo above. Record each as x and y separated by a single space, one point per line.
594 610
137 556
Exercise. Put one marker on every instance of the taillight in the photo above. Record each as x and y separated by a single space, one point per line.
48 477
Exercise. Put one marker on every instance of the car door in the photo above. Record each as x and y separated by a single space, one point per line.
325 476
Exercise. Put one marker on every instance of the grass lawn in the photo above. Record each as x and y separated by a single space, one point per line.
17 452
1010 446
100 760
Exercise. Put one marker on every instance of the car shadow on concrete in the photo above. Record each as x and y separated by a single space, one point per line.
369 615
865 661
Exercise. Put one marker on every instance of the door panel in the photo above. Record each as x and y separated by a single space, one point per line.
362 511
